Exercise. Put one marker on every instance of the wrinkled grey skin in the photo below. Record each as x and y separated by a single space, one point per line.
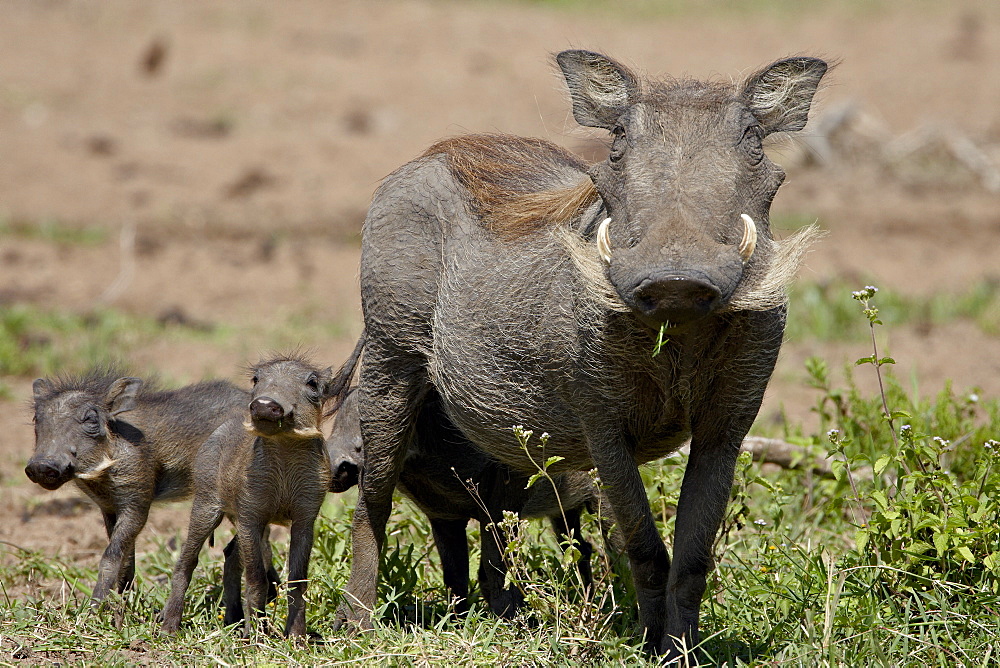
83 424
507 332
439 473
264 467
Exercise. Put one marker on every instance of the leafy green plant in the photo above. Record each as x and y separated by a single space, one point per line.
927 532
922 521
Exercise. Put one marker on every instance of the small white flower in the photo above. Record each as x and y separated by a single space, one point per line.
760 523
973 398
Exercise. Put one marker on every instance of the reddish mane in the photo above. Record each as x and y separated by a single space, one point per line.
517 185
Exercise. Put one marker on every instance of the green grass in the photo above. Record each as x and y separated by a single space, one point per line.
791 587
894 560
40 342
415 628
53 231
826 311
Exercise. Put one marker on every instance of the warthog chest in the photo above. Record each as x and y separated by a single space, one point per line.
538 358
278 484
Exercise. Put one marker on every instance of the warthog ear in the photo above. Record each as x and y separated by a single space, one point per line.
780 94
121 395
41 387
600 88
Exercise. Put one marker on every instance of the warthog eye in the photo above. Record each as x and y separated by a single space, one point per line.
254 380
91 423
752 143
313 383
618 144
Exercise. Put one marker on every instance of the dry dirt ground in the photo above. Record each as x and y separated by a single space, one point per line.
241 143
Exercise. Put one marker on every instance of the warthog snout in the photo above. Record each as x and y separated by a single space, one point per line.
675 300
265 409
49 473
345 475
344 446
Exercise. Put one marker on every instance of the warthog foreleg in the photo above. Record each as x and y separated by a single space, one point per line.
704 495
646 552
716 437
232 578
503 601
127 574
299 550
117 567
389 403
249 533
206 515
232 582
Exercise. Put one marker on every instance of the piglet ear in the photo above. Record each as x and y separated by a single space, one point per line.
121 395
41 387
780 94
600 88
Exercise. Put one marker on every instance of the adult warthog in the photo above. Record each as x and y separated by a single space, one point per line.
528 288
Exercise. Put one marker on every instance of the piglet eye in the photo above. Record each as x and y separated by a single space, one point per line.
313 382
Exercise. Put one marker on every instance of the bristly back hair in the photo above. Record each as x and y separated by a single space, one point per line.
297 355
96 380
517 184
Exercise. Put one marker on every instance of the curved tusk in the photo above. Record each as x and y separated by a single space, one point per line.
97 471
749 242
604 241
